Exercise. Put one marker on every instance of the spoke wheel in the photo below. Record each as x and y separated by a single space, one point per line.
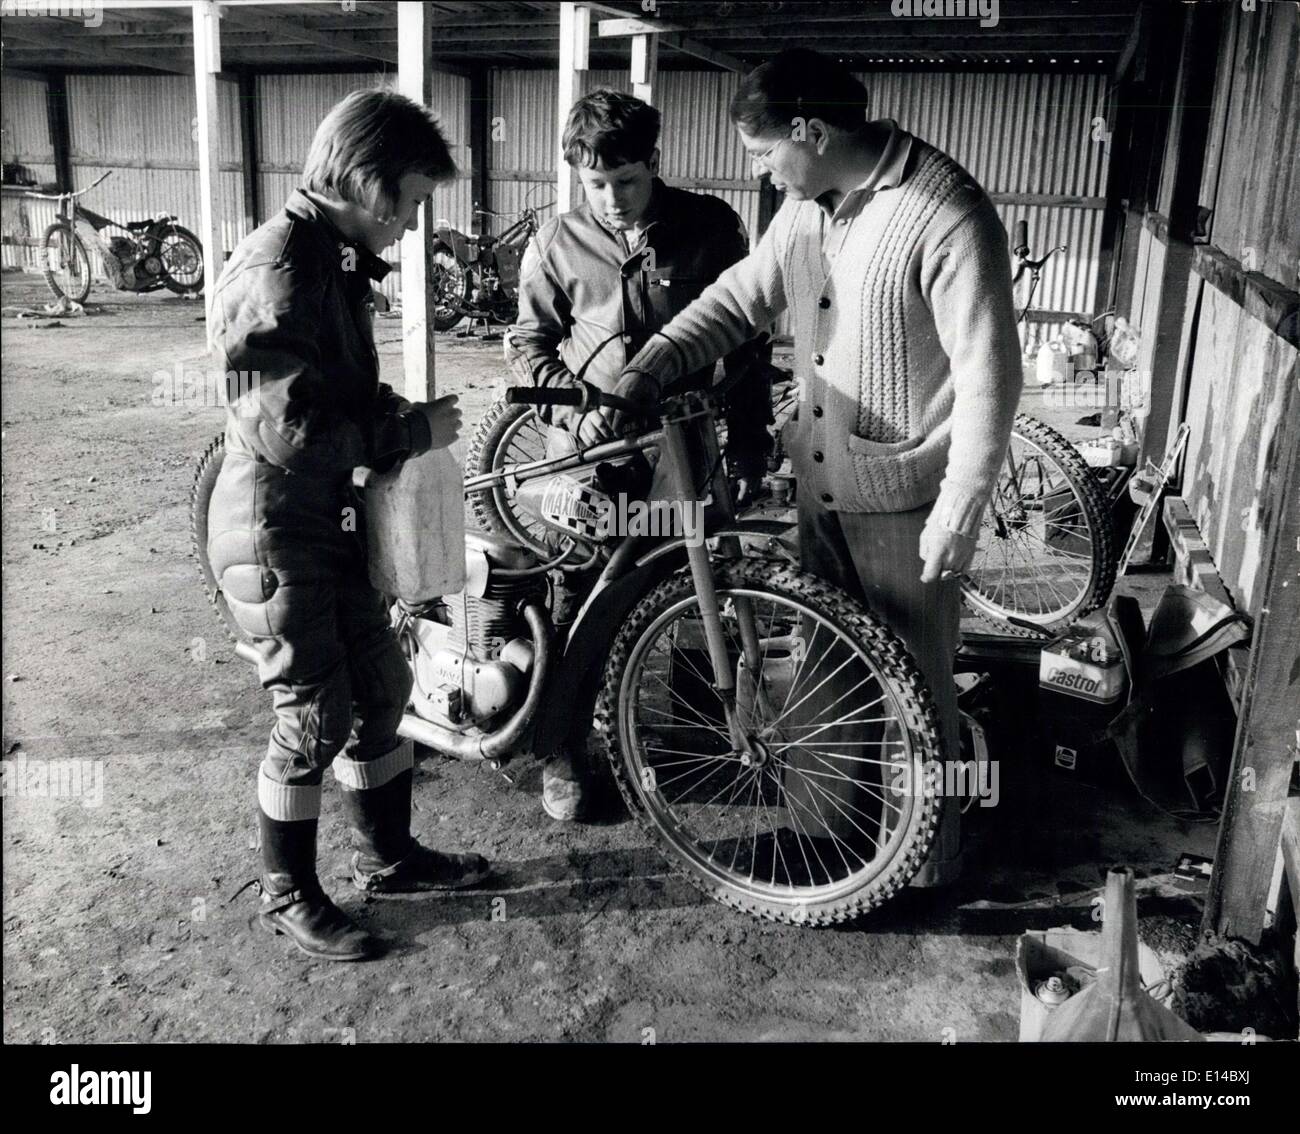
1046 553
182 260
508 435
829 810
66 264
451 288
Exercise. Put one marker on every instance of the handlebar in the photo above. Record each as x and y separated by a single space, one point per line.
71 196
571 396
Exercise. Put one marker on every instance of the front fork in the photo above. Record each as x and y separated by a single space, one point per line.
701 563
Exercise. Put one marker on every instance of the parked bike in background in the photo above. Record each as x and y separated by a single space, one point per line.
139 256
478 276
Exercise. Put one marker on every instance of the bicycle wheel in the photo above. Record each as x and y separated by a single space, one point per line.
508 435
182 260
1046 554
451 288
66 263
835 808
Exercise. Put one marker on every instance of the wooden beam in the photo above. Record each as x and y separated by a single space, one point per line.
645 65
22 31
206 19
670 35
575 49
480 143
415 80
56 110
288 29
1272 303
1186 141
248 150
1268 730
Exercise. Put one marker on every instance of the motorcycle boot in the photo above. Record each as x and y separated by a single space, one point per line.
293 902
388 859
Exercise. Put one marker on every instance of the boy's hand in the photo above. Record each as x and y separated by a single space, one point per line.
590 428
443 416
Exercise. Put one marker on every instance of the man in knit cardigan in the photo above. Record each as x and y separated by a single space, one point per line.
894 268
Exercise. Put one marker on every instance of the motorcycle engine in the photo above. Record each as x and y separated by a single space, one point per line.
474 654
129 270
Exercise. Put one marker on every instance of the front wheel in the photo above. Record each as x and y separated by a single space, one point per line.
508 435
66 264
1046 554
451 288
182 260
830 807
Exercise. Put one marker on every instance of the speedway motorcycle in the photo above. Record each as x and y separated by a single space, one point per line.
478 276
136 256
766 730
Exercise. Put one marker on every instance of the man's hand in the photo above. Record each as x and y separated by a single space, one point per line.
637 386
946 553
443 416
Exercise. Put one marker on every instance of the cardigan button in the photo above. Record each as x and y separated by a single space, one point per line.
827 498
818 359
818 411
824 302
819 456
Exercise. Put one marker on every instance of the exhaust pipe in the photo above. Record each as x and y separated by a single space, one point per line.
493 746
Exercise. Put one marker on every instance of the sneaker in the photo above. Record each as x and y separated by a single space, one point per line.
563 788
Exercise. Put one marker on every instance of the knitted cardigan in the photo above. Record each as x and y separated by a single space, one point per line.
905 341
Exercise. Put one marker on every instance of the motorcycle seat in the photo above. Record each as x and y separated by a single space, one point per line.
137 225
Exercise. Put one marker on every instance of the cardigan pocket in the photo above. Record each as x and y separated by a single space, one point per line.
891 476
864 447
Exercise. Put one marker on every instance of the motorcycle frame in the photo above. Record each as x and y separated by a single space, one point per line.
637 564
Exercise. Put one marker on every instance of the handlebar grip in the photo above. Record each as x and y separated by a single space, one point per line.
1021 246
543 396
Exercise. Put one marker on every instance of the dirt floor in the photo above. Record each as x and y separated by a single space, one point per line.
117 919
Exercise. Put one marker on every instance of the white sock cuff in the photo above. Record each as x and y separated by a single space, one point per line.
287 803
362 774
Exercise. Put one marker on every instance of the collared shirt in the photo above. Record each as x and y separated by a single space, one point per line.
888 173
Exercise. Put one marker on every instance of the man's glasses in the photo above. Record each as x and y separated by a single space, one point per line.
759 162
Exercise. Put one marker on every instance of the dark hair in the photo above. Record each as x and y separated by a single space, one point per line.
798 83
368 142
612 127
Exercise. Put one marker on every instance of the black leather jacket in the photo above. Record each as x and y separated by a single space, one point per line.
291 327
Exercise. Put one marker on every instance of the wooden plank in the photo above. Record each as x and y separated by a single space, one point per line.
645 65
248 150
1266 743
1272 303
415 80
575 44
82 49
206 18
282 29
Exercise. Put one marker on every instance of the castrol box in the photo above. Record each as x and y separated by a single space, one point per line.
1085 665
1081 686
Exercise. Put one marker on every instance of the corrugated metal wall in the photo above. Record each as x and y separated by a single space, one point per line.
143 129
25 139
1018 134
290 107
